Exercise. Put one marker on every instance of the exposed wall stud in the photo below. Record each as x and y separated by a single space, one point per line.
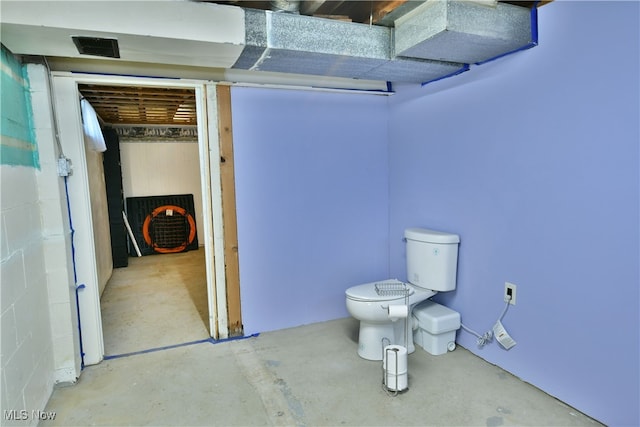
232 267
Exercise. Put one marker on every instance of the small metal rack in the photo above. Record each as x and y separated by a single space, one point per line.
390 289
393 289
385 374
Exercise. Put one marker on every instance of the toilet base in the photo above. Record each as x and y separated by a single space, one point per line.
371 334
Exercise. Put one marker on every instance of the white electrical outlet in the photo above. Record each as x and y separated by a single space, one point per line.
510 290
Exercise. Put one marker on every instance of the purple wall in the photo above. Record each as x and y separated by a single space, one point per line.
534 161
312 202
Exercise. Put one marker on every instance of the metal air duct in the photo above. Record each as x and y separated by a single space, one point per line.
281 42
437 39
464 31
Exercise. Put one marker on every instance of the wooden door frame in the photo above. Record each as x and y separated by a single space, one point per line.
229 217
223 310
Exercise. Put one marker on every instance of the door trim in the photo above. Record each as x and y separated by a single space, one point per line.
66 96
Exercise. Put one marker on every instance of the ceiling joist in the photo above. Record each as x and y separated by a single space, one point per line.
142 105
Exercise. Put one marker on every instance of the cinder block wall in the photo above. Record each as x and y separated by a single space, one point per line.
26 349
56 232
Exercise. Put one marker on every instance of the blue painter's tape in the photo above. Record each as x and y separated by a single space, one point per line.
153 350
525 47
125 75
534 36
168 347
534 22
532 43
244 337
465 67
372 91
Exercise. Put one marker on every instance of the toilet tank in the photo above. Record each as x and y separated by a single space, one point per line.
432 259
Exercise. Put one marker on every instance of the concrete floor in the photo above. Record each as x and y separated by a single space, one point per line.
158 300
309 375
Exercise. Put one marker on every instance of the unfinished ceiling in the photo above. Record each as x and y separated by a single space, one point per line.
364 12
227 39
359 11
357 41
131 105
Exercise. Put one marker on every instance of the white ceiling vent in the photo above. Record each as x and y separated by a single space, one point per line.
97 46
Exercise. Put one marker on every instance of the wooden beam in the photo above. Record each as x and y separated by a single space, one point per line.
229 219
382 9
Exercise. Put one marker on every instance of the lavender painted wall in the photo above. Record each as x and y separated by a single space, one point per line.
534 161
312 202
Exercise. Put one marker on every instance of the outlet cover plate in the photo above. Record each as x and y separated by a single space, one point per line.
511 286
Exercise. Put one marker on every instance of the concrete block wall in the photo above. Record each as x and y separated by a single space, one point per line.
56 233
26 352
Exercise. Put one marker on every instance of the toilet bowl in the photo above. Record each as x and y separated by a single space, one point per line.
431 268
372 309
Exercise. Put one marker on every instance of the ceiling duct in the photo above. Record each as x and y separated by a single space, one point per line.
301 44
464 31
435 40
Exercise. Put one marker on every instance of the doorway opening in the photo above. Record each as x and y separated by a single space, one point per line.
215 148
157 296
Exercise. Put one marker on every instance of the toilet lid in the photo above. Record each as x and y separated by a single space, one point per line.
367 292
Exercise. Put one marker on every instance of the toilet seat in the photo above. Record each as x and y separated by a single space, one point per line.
367 292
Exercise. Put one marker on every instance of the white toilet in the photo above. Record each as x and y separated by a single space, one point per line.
432 258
